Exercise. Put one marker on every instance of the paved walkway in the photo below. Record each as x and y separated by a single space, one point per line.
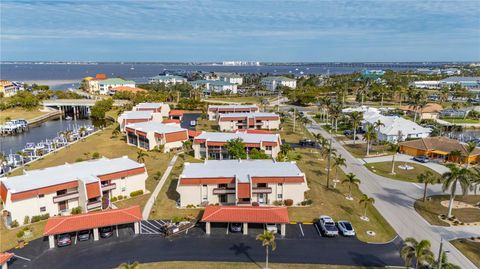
153 197
395 200
439 168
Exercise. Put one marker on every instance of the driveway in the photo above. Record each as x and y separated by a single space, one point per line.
439 168
395 199
197 246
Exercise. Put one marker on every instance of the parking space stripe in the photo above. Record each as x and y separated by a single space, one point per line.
161 223
151 225
301 229
318 230
148 229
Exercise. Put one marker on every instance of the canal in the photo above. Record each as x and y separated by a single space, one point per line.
46 130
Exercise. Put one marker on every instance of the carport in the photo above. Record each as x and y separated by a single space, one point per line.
93 220
246 215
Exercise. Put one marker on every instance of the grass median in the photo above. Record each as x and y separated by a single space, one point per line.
384 169
241 265
469 248
431 209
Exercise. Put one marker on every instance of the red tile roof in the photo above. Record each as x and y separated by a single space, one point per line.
93 190
243 190
73 223
5 257
166 121
250 131
193 133
176 112
249 214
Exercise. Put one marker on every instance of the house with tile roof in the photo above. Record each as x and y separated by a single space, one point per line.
440 148
212 144
150 135
240 182
429 111
253 120
56 190
105 86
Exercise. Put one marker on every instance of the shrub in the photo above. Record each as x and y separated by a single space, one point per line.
255 204
39 218
26 220
20 233
76 210
278 202
78 160
95 155
136 193
114 199
190 206
309 201
288 202
120 197
176 219
14 224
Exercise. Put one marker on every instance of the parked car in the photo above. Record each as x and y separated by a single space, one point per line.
348 132
64 240
345 228
421 159
236 227
106 232
83 235
271 228
327 226
306 142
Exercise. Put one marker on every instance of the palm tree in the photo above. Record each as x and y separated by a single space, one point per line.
456 175
141 156
129 265
377 126
187 146
157 176
355 118
82 131
351 179
268 240
394 148
338 161
366 201
116 131
455 155
418 251
38 152
475 184
471 146
369 135
427 178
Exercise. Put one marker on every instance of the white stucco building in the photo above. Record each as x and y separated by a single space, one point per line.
255 120
214 111
105 86
161 108
231 78
56 190
148 135
271 83
240 182
216 86
167 79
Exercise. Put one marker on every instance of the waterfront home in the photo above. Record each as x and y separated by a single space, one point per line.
240 182
440 148
453 113
129 117
469 83
214 86
105 86
162 108
93 83
372 74
231 78
56 190
7 88
394 128
271 83
167 79
150 135
253 120
212 144
214 111
426 84
430 111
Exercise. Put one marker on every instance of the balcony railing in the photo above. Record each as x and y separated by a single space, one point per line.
94 205
65 197
223 191
110 186
262 190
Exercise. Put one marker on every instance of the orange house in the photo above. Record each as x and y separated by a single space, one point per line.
440 148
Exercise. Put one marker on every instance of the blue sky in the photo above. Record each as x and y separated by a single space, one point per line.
263 30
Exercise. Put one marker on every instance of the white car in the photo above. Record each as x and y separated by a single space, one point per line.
271 228
327 226
346 228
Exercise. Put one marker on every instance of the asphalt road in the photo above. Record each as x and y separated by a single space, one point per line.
196 246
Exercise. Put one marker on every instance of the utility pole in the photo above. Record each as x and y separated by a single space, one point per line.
294 117
440 254
328 162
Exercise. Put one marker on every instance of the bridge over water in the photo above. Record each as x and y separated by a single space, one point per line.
77 107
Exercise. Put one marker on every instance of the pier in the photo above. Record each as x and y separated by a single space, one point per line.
77 107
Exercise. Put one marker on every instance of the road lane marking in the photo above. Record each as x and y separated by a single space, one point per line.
301 230
414 184
23 258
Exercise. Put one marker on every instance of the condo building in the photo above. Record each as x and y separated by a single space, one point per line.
161 108
212 144
240 182
167 79
56 190
150 135
271 83
215 111
259 120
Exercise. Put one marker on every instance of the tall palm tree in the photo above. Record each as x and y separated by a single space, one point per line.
338 161
475 182
351 179
129 265
366 201
394 148
455 155
116 131
355 119
427 178
471 146
369 135
141 156
268 240
418 251
456 176
377 125
82 131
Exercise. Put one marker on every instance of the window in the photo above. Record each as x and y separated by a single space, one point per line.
279 196
43 209
41 195
123 178
123 189
268 147
280 184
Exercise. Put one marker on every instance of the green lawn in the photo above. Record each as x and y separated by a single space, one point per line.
359 150
239 265
430 210
207 125
470 249
19 113
462 121
140 200
9 240
384 168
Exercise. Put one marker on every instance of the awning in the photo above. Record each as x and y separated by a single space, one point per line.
440 152
86 221
5 257
245 214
